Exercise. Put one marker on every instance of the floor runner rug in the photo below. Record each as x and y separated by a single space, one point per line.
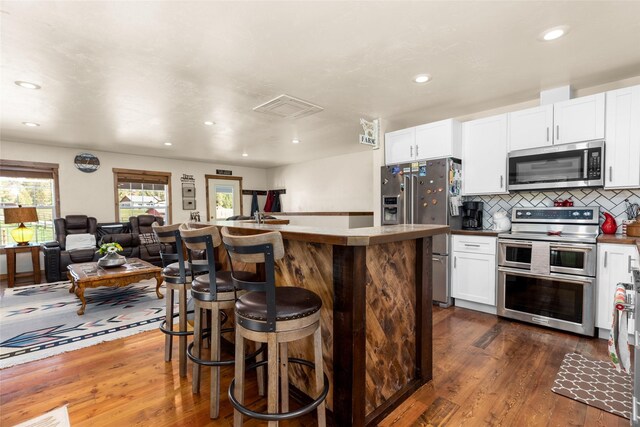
41 320
595 383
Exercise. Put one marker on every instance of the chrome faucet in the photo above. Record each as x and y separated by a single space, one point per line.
258 217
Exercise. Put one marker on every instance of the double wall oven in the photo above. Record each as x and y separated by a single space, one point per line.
547 267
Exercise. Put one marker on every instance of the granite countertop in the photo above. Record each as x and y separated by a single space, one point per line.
364 236
490 233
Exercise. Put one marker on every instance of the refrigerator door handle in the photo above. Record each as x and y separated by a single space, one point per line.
414 202
408 200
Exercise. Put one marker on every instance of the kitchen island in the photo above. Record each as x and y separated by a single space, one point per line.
376 289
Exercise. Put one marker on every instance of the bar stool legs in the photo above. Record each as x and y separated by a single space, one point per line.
168 327
278 375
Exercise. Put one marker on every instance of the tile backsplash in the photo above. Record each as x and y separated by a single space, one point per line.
611 201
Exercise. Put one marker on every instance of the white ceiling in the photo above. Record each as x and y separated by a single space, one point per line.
128 76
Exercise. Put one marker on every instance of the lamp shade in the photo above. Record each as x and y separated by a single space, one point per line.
20 215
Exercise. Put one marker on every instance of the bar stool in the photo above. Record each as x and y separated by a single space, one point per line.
276 316
177 277
213 291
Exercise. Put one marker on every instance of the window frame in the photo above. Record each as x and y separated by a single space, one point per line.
24 169
151 175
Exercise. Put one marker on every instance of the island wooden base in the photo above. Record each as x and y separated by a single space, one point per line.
376 322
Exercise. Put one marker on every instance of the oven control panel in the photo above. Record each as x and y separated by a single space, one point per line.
578 215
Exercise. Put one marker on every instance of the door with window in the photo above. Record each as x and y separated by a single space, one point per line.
224 196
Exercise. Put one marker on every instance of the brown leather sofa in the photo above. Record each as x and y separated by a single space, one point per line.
56 257
137 241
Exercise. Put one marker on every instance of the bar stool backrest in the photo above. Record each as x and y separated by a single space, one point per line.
171 234
198 237
258 248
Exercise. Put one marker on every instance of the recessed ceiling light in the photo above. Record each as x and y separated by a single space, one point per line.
245 155
168 143
27 85
554 33
422 78
209 123
296 141
31 124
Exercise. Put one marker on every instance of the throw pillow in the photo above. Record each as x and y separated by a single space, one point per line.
148 239
80 241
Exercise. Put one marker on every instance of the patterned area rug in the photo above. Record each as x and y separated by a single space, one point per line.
41 321
595 383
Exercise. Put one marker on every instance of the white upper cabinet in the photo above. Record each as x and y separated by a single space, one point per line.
579 119
622 142
439 139
484 155
399 146
430 141
531 128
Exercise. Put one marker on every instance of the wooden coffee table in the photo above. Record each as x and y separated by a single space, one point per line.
89 275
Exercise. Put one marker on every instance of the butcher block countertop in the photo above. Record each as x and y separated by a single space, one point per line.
364 236
488 233
620 239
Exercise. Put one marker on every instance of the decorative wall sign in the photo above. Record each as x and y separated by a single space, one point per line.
86 162
223 172
187 178
371 133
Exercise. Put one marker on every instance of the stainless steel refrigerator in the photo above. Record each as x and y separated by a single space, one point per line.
426 192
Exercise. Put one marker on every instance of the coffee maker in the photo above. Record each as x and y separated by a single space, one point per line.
472 215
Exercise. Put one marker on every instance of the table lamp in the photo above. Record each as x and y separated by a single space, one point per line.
20 215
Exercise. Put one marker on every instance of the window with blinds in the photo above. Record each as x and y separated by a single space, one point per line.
29 184
142 192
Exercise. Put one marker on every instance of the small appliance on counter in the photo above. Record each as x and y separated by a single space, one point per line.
472 215
501 221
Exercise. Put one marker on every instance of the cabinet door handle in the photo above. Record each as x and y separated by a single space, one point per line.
455 261
557 132
411 151
501 181
610 173
472 245
417 151
547 133
629 264
605 259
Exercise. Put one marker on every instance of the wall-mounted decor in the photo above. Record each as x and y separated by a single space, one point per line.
86 162
188 204
188 190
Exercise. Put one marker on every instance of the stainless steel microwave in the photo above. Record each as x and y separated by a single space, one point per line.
557 166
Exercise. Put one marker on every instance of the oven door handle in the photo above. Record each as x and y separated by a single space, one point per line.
516 243
571 247
560 277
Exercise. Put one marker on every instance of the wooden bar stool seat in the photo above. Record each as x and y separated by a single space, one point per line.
177 276
275 316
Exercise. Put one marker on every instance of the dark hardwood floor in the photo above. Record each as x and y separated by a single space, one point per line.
487 371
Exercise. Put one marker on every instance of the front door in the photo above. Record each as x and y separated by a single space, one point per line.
224 196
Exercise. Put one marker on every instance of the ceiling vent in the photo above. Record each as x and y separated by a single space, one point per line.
288 107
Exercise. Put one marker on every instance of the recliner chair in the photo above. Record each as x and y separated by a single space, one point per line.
150 248
57 257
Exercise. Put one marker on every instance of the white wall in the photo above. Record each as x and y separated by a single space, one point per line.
333 184
92 194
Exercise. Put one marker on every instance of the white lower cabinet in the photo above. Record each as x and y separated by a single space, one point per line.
473 269
614 266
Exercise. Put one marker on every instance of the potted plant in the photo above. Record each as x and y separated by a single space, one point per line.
111 257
